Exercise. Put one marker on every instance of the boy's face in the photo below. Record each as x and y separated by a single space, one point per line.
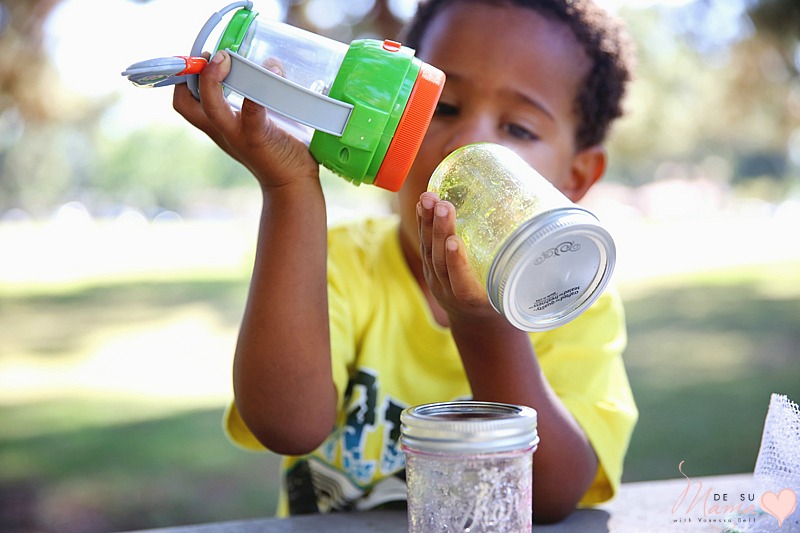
512 79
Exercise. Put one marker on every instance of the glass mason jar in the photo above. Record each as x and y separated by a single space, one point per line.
469 467
543 259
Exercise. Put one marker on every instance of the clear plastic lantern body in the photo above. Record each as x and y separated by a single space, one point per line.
469 467
309 60
542 258
361 108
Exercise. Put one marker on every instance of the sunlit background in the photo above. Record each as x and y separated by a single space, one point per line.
126 240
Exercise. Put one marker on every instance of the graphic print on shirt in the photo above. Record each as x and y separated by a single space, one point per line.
361 398
369 437
364 419
392 458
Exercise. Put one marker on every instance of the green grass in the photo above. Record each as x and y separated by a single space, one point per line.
705 354
173 470
56 323
103 462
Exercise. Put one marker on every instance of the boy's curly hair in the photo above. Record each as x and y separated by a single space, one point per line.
604 39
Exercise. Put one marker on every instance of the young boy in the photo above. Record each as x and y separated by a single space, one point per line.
346 327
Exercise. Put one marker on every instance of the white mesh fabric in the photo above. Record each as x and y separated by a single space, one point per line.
778 465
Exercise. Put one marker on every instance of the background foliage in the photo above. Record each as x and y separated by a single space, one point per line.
717 79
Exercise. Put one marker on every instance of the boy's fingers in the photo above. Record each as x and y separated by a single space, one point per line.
254 116
188 107
462 280
212 97
184 102
443 227
425 224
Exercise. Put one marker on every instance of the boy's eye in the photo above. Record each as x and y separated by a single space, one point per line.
443 109
519 132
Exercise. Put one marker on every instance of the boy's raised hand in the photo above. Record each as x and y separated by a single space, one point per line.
274 156
444 261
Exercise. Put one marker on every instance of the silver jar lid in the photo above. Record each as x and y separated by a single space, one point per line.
468 427
551 269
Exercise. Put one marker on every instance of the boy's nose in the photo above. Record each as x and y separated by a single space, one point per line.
468 132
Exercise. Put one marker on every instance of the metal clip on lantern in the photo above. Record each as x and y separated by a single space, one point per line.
369 103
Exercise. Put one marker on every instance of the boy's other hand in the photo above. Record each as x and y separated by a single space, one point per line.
444 261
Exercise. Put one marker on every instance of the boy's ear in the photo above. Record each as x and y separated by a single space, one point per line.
588 167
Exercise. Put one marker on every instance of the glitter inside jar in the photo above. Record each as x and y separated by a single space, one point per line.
469 467
542 258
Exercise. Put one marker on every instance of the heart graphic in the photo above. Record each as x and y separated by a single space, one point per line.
779 505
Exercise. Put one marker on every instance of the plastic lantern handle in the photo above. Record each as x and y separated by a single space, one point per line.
205 32
286 97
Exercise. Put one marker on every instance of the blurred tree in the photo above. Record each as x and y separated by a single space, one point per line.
24 66
767 77
137 171
779 20
373 18
716 78
674 86
45 133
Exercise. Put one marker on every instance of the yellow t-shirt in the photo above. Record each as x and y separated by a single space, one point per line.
389 353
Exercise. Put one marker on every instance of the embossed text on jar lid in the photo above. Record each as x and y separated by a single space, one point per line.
552 270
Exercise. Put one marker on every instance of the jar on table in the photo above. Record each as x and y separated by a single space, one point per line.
469 466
